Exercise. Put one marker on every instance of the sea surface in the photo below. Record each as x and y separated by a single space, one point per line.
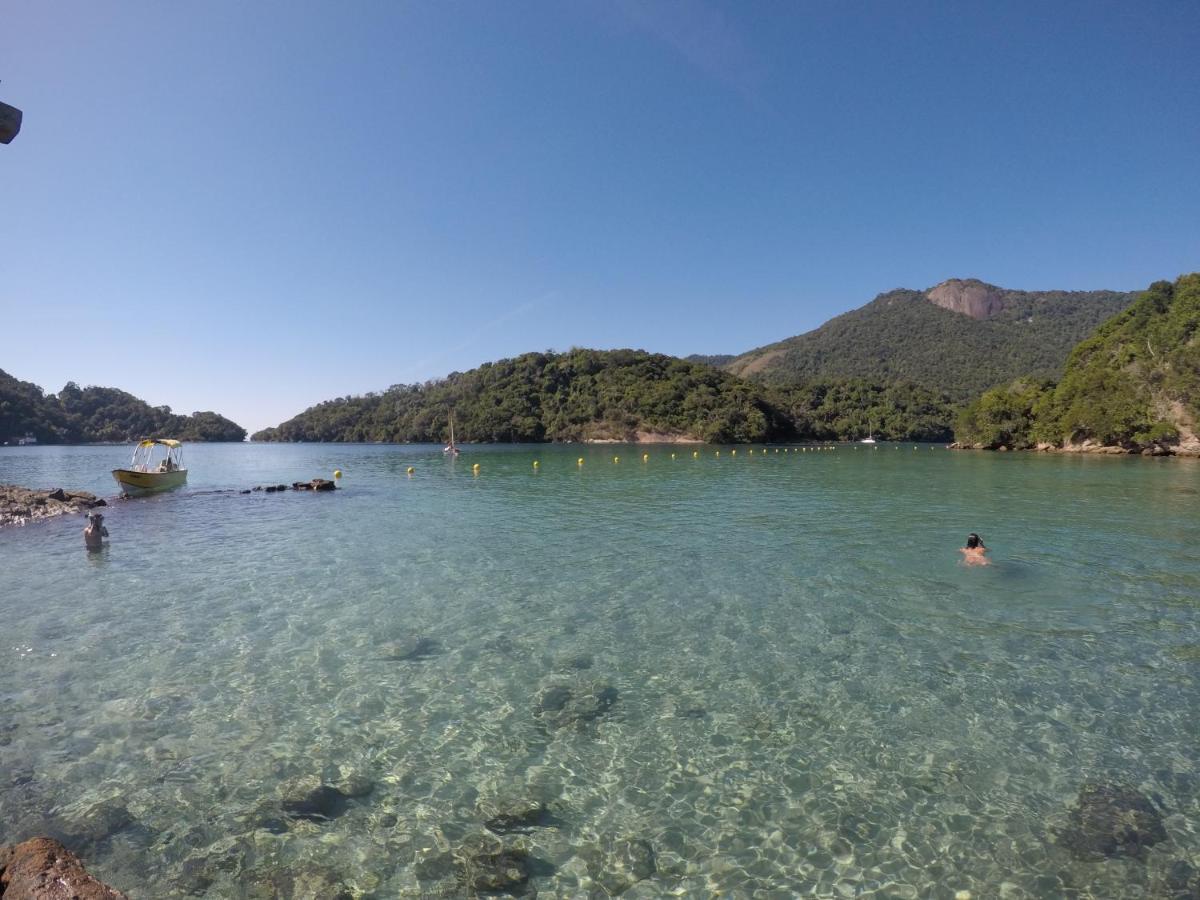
734 675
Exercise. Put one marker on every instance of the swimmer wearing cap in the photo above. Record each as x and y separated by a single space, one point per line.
94 534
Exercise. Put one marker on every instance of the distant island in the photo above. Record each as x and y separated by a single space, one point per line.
90 415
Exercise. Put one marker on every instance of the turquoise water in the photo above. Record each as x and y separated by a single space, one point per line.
780 681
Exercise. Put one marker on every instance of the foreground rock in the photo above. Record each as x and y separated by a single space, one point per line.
42 869
617 863
1110 821
19 505
573 703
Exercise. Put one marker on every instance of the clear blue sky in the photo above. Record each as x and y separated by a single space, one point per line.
252 207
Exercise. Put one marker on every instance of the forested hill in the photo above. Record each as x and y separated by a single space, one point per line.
578 395
618 395
98 414
1133 385
958 338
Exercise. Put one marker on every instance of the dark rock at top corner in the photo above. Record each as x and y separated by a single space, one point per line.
1112 820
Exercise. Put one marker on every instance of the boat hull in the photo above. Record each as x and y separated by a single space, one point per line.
131 482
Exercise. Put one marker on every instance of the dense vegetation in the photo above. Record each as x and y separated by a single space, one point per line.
902 337
711 359
592 394
850 409
97 414
578 395
1134 383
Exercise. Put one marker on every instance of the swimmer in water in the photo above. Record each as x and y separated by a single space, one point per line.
975 553
94 534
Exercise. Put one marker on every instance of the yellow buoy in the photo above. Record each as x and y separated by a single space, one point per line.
672 456
718 453
337 473
695 454
475 468
535 463
411 470
616 459
645 457
579 462
733 453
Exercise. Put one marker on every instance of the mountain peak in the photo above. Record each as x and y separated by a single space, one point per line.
968 296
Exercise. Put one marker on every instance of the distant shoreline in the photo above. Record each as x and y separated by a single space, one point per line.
1157 451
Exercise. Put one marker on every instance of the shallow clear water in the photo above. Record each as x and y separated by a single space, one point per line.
812 696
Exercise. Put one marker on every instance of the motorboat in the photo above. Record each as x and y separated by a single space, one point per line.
157 465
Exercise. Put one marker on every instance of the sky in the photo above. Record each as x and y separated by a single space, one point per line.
254 207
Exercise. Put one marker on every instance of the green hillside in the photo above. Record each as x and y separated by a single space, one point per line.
95 414
904 336
1134 384
617 395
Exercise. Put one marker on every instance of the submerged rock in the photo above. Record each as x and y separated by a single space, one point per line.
409 649
321 803
304 882
1181 882
574 703
618 863
100 822
309 798
43 869
1110 821
488 866
515 816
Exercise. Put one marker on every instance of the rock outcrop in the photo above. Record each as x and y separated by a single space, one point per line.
970 297
43 869
19 505
1111 820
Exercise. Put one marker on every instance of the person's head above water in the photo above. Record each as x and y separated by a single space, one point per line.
96 517
973 541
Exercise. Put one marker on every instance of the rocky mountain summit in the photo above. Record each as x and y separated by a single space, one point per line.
971 297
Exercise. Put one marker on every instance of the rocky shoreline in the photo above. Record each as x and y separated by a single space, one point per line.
19 505
43 869
1182 450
